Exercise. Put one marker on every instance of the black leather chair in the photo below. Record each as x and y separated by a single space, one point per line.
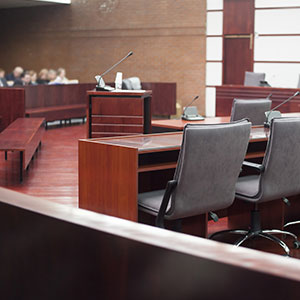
279 177
253 79
208 167
254 110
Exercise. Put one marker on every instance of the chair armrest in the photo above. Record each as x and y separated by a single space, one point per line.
258 167
159 222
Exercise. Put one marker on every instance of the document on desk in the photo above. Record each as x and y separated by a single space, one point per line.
128 91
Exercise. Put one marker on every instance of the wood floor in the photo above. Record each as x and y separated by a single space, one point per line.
53 175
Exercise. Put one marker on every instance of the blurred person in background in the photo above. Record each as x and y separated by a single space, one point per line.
24 80
51 75
43 77
2 78
33 77
14 75
61 77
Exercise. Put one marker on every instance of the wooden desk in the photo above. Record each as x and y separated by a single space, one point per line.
113 170
226 93
118 113
178 124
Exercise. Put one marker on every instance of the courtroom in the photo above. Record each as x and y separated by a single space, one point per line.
150 149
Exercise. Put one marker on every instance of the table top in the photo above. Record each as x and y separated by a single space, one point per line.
120 93
178 124
165 141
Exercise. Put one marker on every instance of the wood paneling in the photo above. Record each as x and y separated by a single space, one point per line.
238 33
113 108
12 106
238 17
226 93
114 193
238 58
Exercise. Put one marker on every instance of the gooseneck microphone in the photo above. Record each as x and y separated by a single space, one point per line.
195 98
273 113
190 113
100 82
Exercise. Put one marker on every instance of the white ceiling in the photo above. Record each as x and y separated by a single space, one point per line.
26 3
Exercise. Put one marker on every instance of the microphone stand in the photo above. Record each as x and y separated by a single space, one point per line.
190 113
273 113
99 78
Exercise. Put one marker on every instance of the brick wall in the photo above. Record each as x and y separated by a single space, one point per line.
166 36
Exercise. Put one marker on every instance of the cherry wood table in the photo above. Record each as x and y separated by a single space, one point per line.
23 135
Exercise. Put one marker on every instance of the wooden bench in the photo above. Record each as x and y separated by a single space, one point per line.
23 135
60 112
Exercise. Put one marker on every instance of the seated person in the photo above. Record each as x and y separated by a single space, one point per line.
51 76
33 76
25 80
61 77
43 77
2 78
14 75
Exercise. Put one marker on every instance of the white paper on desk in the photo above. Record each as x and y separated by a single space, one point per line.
129 91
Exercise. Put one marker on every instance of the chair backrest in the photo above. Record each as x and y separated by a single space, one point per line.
132 83
208 167
253 79
254 110
281 177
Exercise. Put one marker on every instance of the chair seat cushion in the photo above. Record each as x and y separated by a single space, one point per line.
247 186
151 201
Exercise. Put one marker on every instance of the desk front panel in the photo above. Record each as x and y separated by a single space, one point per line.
118 114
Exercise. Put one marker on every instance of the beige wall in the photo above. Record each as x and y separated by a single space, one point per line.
166 36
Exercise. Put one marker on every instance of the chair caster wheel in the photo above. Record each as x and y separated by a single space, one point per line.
296 244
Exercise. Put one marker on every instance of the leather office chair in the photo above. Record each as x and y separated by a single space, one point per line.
207 169
253 79
278 178
254 110
132 83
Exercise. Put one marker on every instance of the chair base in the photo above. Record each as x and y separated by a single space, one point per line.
256 231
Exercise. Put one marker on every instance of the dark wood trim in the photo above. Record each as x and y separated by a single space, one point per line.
88 255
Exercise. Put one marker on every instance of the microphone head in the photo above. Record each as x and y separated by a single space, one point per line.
130 53
297 93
